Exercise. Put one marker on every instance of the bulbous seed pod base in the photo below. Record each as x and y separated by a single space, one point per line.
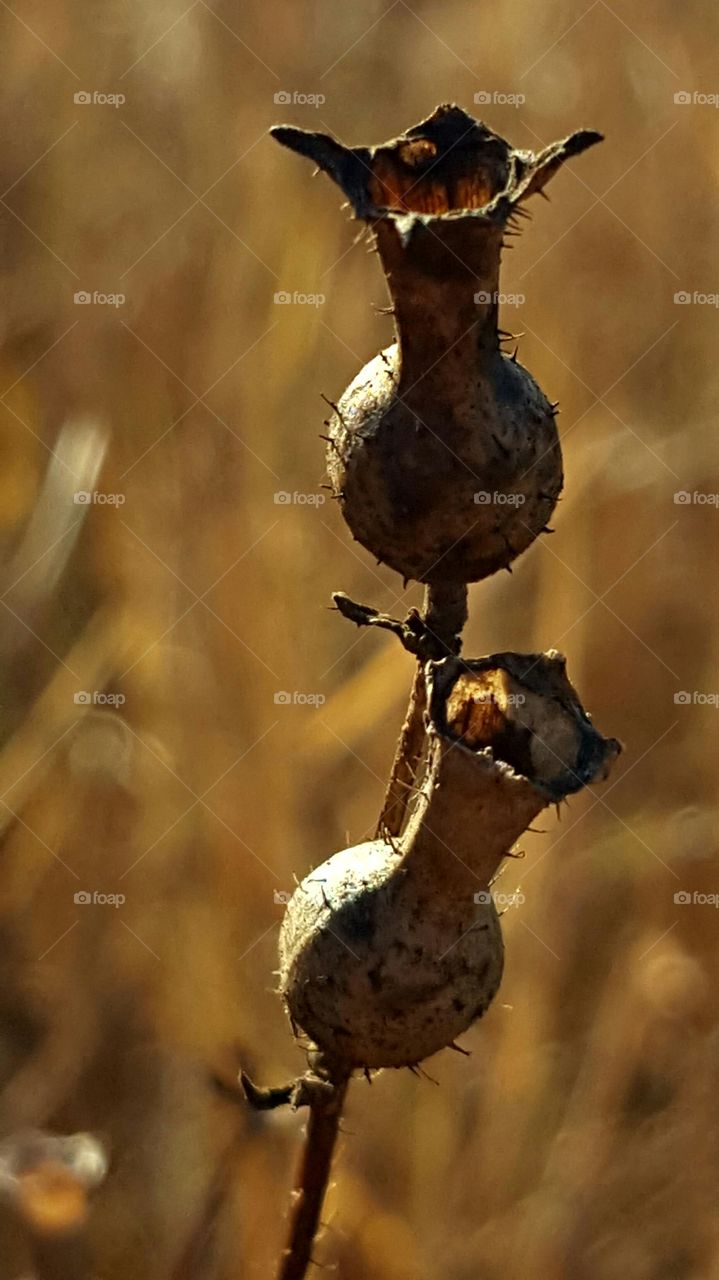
460 501
390 950
390 976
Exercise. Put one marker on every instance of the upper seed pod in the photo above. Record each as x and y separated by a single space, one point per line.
443 451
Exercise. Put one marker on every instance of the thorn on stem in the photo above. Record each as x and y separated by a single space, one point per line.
265 1099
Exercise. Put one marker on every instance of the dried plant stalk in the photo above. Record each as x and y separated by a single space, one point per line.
445 458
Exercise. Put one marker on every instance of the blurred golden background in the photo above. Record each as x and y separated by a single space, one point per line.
580 1138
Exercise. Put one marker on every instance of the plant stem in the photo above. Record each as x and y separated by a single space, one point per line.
444 614
406 760
325 1110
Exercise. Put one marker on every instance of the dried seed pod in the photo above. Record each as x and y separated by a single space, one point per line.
443 452
390 950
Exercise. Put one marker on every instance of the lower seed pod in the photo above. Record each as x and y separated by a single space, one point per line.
390 950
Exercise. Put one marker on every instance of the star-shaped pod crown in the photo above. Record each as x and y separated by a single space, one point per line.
447 166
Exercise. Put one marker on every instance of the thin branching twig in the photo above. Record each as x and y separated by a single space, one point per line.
406 762
325 1110
442 618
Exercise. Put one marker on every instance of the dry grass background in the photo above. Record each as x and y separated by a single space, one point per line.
580 1138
